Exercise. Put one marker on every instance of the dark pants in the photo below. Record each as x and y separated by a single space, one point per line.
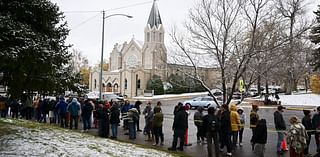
241 135
114 129
28 113
63 119
226 141
138 124
14 113
317 136
178 134
75 119
200 134
234 139
103 127
158 134
4 113
132 130
212 137
86 123
306 150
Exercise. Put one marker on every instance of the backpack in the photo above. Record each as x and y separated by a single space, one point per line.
135 117
253 119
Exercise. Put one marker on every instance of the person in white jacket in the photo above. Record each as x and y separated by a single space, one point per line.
242 121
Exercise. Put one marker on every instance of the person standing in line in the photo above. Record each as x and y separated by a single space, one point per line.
316 126
137 105
211 126
62 108
86 113
227 131
297 137
132 116
179 126
254 118
114 119
103 120
157 125
307 123
259 138
280 125
186 139
148 115
197 118
74 109
235 125
242 121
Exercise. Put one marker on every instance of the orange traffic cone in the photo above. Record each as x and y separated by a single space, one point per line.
284 145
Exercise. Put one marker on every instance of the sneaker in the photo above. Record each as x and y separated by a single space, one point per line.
161 144
221 150
198 141
154 144
180 148
240 144
139 130
204 142
229 154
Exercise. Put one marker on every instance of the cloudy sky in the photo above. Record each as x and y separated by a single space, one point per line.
84 19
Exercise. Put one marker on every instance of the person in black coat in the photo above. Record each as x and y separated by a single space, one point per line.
103 116
280 125
226 131
316 126
137 106
307 123
211 127
259 138
114 119
179 127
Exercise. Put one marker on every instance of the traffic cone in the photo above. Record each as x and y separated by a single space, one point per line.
284 145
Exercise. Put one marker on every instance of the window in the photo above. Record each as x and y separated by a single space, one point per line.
148 37
138 84
125 83
95 83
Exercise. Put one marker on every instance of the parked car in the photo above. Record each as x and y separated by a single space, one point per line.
253 92
201 101
113 96
216 92
236 95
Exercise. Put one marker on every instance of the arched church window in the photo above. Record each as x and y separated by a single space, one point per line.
125 83
95 83
148 37
138 84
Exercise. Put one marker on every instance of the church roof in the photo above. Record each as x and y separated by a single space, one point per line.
154 17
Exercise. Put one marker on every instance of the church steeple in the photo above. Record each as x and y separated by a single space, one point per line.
154 17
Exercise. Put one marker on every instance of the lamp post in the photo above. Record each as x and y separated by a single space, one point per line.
101 64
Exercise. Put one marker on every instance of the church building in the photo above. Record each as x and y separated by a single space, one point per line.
133 63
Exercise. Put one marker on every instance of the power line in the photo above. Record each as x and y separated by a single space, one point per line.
87 20
95 11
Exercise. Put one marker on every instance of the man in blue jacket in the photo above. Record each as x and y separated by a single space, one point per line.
62 110
74 109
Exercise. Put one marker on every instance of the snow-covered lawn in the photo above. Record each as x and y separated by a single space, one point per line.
25 138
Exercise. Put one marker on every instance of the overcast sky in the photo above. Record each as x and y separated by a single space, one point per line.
86 25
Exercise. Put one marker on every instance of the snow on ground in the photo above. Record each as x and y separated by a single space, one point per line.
170 96
42 140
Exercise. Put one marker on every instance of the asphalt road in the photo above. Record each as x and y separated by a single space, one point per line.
199 150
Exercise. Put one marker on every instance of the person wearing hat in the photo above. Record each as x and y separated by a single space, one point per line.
280 125
297 137
211 127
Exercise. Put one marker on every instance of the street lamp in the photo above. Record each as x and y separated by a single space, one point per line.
101 64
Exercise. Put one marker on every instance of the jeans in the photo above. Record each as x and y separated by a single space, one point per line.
241 134
114 129
86 123
234 139
280 139
226 141
63 119
132 130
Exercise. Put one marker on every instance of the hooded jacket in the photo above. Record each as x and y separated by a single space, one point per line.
74 107
234 118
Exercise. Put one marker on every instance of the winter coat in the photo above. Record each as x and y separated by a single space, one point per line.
279 121
234 118
180 120
307 123
316 122
157 119
260 135
132 113
242 117
207 124
74 107
114 115
87 109
197 118
62 106
225 122
297 137
254 118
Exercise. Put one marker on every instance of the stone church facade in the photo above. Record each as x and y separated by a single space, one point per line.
132 64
